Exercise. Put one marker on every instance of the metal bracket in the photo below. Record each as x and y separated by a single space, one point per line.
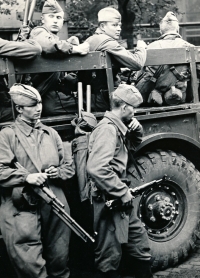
188 54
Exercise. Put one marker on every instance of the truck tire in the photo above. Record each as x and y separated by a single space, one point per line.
170 211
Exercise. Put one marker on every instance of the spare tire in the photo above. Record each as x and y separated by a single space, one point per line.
170 211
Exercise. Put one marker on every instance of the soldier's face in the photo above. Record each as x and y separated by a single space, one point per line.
53 21
112 28
127 113
30 113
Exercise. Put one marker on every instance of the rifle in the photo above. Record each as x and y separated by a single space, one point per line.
137 191
28 14
58 209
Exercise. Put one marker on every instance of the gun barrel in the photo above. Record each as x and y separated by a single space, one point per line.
69 221
25 20
146 185
31 11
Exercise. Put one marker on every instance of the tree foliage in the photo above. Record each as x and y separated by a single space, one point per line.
5 6
134 13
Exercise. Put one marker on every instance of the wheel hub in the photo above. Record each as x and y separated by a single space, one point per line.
162 210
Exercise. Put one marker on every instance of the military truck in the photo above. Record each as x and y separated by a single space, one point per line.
170 211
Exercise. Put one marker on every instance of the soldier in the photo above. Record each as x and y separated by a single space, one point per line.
171 84
106 39
55 102
36 239
106 166
26 49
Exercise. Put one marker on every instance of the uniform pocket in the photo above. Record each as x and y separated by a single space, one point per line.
27 227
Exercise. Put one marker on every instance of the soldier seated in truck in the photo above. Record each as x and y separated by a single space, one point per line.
165 85
55 101
25 49
105 39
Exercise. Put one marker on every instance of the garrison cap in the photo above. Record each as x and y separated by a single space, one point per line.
51 6
108 14
170 16
24 95
129 94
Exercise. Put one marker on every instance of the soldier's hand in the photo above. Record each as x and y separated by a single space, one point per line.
141 43
24 32
82 48
36 179
52 172
73 40
133 124
127 200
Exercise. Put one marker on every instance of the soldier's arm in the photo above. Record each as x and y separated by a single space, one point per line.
66 169
135 137
9 175
134 61
98 165
23 50
49 43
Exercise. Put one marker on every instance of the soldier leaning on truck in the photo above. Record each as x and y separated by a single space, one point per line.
117 229
37 241
170 87
25 49
105 39
55 102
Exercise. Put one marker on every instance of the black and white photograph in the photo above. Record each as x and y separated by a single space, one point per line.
99 139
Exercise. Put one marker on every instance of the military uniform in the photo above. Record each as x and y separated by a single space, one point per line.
107 162
23 50
171 77
55 101
98 80
37 240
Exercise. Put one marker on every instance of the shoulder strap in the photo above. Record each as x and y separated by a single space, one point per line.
129 151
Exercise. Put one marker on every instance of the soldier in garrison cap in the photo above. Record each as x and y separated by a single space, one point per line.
171 83
37 240
106 38
57 99
106 166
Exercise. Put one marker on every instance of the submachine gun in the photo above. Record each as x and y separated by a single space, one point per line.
137 191
58 208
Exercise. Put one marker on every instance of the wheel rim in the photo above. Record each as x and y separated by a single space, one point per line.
163 210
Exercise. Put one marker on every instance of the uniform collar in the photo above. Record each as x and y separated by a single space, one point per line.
169 36
121 126
43 27
27 129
